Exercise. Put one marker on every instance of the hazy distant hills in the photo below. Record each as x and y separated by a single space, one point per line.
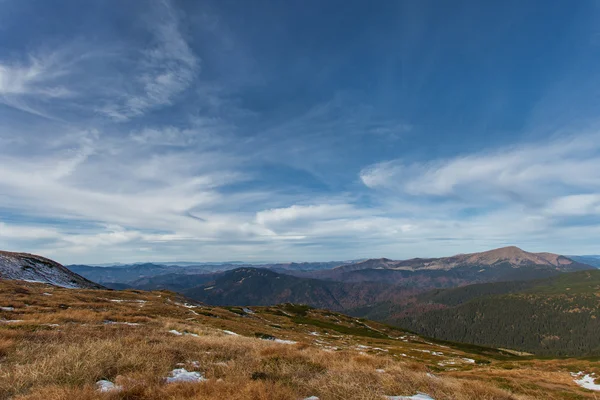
129 275
590 260
505 264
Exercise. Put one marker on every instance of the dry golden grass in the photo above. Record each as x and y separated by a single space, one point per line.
60 343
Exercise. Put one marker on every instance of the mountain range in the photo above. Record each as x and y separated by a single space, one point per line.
542 303
119 276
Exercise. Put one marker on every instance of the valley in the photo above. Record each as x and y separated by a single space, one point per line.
498 298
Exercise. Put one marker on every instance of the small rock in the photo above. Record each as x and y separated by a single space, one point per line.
259 376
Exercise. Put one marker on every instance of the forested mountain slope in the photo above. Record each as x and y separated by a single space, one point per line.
254 286
557 316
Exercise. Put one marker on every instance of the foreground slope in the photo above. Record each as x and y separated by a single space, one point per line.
30 267
57 343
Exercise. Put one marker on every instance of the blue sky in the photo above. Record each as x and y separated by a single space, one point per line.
297 130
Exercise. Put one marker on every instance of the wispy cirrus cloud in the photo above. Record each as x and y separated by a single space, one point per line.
164 70
28 85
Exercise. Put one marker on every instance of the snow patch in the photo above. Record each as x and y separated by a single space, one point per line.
175 332
7 308
418 396
183 375
105 386
586 381
107 322
230 333
186 305
284 341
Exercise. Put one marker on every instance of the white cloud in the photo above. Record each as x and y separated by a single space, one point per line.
304 212
575 205
164 70
34 77
528 173
19 232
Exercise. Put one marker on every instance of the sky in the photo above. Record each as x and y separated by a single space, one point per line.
173 130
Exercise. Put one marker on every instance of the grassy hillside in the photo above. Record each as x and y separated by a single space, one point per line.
557 316
57 343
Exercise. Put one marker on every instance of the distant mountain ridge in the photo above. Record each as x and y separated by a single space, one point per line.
504 264
30 267
512 255
126 275
593 260
507 263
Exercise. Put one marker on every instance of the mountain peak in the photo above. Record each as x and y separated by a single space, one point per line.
515 256
30 267
508 251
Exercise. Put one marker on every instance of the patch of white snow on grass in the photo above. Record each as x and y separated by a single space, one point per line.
175 332
285 341
230 333
107 322
587 381
183 375
107 386
7 308
418 396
